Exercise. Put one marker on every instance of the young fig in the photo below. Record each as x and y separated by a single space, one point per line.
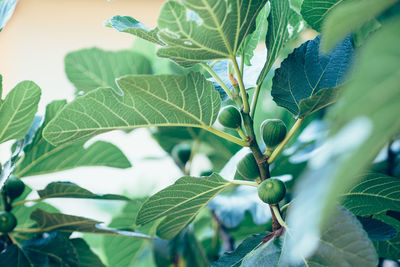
230 117
273 131
248 168
181 153
14 187
7 221
271 191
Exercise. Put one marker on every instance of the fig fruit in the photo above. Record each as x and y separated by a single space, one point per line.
271 191
230 117
7 221
14 187
273 131
181 153
248 168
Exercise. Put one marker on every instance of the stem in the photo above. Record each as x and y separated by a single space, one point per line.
242 62
218 79
22 202
278 216
280 147
242 134
286 206
246 107
226 136
242 182
254 100
391 159
228 240
195 148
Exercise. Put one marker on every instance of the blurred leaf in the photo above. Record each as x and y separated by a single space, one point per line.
180 203
306 72
349 16
122 251
132 26
281 18
1 86
268 254
86 257
361 125
89 69
6 10
363 33
18 109
41 157
68 223
158 100
14 256
235 257
193 253
252 40
315 12
389 248
187 27
71 190
377 230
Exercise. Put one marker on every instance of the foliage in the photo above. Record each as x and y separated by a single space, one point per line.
337 166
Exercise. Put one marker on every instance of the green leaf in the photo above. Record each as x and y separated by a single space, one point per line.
122 251
71 190
17 110
180 203
6 10
187 28
342 243
319 100
41 157
306 71
389 248
348 17
86 257
47 221
159 100
252 40
361 125
280 19
235 257
314 12
377 230
89 69
132 26
15 256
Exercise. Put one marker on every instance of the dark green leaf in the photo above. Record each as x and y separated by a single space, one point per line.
68 223
159 100
14 256
132 26
17 110
71 190
86 257
377 230
321 99
314 12
41 157
234 258
180 203
306 71
348 17
6 10
89 69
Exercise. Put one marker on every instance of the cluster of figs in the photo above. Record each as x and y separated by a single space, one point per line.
273 132
12 189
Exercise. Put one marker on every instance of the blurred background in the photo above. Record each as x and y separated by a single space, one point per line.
33 47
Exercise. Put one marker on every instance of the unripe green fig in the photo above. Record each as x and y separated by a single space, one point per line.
273 131
271 191
7 221
248 168
230 117
181 153
14 187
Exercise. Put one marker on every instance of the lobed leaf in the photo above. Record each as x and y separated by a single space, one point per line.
41 157
159 100
179 203
17 110
89 69
86 257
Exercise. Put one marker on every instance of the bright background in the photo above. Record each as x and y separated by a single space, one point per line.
32 47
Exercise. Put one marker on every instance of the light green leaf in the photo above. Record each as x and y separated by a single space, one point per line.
71 190
314 12
343 243
348 17
17 110
41 157
86 257
180 203
321 99
280 19
47 221
132 26
188 27
252 40
159 100
363 123
89 69
121 251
